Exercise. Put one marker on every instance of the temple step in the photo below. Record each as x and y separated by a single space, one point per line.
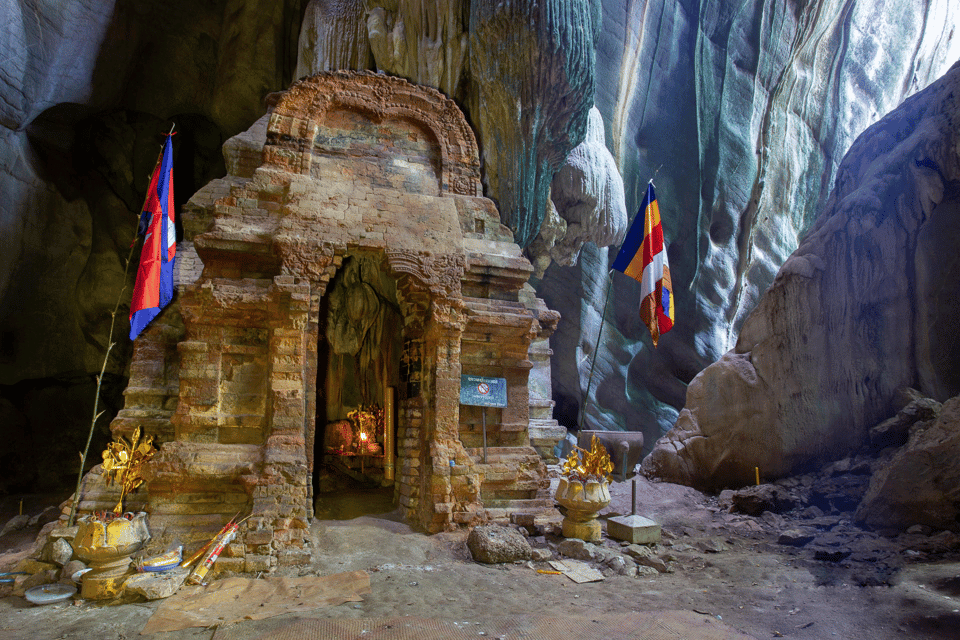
501 510
518 504
514 482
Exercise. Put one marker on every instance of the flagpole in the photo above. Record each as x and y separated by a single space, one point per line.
110 345
596 350
603 317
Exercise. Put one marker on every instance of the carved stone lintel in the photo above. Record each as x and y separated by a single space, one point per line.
439 276
293 123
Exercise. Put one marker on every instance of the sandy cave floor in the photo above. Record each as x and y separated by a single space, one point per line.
723 566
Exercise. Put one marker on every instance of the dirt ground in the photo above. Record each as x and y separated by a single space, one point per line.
729 568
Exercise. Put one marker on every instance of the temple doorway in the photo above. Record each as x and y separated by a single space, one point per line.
358 366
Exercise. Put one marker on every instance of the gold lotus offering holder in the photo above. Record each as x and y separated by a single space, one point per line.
584 490
105 540
105 543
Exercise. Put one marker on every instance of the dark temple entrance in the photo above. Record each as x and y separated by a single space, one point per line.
358 356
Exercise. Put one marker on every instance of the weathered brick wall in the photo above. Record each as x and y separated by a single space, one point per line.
351 163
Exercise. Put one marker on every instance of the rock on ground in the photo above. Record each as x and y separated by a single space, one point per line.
921 484
493 544
156 585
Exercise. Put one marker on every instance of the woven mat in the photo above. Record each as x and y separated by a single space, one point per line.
660 625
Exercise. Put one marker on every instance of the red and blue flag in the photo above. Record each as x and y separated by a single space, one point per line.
154 287
643 257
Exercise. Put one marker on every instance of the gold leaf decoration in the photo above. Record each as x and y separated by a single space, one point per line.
595 464
123 463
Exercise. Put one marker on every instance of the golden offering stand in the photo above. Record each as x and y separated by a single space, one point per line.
584 490
583 502
105 546
105 541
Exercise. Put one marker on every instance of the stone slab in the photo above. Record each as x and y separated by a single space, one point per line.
634 529
156 585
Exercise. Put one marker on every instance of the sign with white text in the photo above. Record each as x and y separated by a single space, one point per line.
478 391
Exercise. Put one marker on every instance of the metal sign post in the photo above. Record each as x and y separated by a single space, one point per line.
483 419
478 391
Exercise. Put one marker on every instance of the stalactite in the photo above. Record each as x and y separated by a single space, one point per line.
534 69
333 37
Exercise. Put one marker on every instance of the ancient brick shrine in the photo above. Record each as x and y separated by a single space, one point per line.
347 260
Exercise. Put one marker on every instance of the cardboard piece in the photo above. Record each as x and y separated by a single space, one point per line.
577 571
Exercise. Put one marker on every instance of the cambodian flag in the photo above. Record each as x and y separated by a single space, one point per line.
154 288
644 258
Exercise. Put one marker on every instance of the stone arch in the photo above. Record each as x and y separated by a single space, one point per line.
293 125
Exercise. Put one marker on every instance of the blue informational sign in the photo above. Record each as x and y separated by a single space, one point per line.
477 391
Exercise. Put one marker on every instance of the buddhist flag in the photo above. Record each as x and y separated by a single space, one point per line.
154 288
644 258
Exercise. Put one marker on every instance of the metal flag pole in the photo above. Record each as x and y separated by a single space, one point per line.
596 349
71 520
603 317
483 414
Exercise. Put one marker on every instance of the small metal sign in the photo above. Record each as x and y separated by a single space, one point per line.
478 391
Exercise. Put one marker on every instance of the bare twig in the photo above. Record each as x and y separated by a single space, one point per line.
106 357
96 398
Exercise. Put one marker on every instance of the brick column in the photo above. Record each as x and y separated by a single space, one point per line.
448 481
281 496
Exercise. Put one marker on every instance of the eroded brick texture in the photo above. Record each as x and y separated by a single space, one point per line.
353 164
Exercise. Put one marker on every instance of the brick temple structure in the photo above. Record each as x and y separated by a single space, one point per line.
348 257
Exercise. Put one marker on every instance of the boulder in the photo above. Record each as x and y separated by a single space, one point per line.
71 568
155 586
895 431
33 566
61 552
796 537
755 500
921 483
16 523
647 572
578 549
493 544
839 493
49 514
541 555
21 584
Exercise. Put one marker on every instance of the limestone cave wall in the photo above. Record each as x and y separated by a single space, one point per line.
742 111
848 320
86 89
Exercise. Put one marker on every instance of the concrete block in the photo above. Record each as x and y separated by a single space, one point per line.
634 529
